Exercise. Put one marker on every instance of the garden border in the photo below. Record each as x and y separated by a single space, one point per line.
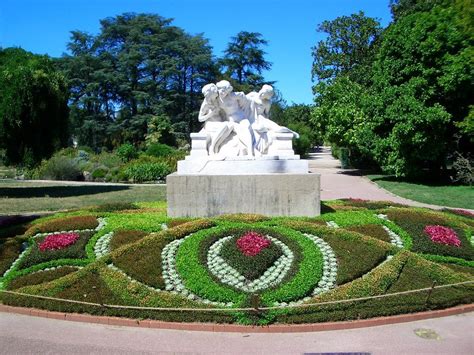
232 328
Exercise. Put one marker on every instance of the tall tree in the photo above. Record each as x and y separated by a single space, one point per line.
348 48
33 107
137 71
244 58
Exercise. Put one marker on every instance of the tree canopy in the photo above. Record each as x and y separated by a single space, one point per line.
411 108
33 107
140 74
244 59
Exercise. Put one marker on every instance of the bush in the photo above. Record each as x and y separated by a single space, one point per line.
115 206
99 173
464 169
39 277
127 152
160 150
122 237
59 168
302 145
142 172
64 224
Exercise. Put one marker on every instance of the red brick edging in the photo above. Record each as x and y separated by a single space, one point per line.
275 328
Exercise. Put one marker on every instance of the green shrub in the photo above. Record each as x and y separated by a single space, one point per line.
122 237
127 152
142 261
160 150
57 168
147 172
10 249
99 173
64 224
372 230
114 207
306 141
39 277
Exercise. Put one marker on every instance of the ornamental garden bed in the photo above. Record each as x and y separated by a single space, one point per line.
245 269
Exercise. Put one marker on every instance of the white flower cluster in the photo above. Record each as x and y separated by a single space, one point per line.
229 276
102 246
328 279
15 263
164 226
394 237
332 224
173 282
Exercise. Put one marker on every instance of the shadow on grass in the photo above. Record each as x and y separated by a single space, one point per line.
57 191
326 209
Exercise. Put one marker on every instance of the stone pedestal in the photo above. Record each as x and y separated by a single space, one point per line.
192 195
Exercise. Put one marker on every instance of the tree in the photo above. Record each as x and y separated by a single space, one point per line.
138 70
33 107
422 89
244 59
348 49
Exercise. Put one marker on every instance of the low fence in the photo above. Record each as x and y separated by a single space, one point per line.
428 290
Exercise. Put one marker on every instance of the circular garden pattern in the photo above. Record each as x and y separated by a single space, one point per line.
278 269
236 261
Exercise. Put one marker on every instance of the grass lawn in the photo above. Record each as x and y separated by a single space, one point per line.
442 195
26 196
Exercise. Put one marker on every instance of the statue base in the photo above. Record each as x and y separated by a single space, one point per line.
266 164
279 194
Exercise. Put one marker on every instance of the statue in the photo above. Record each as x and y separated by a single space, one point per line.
236 124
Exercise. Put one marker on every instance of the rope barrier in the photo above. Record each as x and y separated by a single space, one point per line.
307 305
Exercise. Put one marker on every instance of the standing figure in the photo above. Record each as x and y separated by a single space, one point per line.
237 110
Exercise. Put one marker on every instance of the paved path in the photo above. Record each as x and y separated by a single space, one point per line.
21 334
337 183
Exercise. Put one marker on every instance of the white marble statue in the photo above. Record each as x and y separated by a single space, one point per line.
236 124
264 128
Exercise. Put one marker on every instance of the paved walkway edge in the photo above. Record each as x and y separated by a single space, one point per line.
276 328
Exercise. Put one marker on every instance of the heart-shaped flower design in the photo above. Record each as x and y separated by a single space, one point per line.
227 274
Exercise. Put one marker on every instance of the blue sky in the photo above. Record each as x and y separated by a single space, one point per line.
43 26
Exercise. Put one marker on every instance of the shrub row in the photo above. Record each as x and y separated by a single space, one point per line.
64 224
39 277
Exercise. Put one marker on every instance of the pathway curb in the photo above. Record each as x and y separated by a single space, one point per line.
232 328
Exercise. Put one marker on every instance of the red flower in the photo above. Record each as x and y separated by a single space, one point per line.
58 241
443 235
252 243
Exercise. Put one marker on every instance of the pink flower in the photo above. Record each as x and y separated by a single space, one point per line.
252 243
443 235
58 241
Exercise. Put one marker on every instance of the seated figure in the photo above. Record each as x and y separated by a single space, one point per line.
215 124
264 129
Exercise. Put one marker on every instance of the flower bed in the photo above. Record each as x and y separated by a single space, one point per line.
58 241
64 224
246 261
443 235
415 223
